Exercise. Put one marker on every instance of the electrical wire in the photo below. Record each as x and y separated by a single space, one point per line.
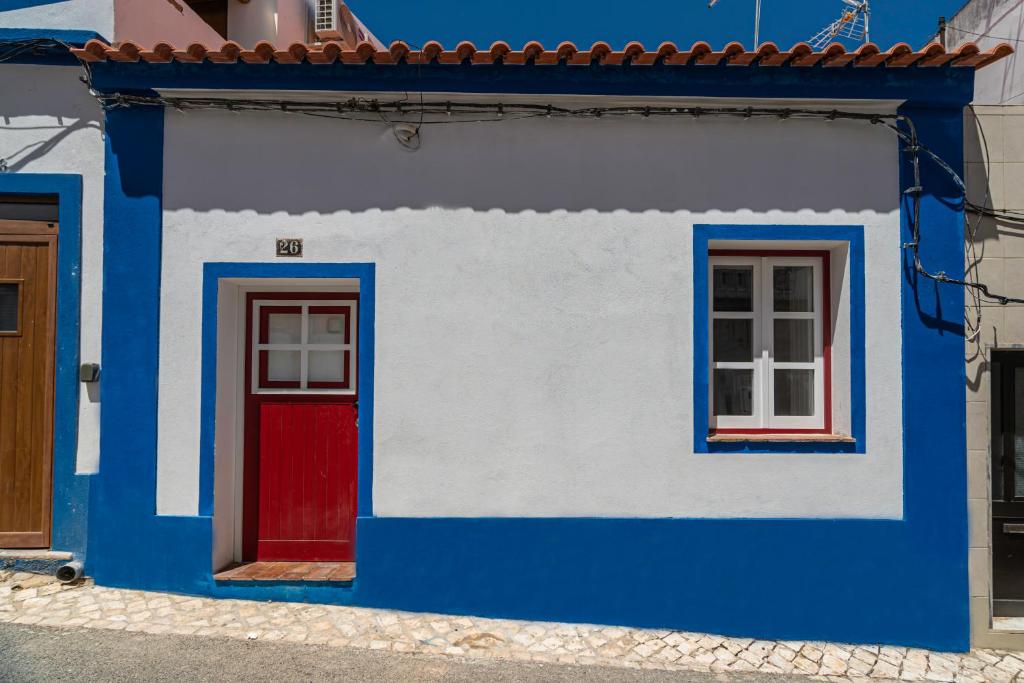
372 110
983 35
12 49
357 108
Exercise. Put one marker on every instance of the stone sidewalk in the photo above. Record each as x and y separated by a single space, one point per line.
39 600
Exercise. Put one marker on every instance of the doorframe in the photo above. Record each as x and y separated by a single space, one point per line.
213 275
70 491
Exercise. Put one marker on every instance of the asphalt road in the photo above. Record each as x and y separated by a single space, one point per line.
30 653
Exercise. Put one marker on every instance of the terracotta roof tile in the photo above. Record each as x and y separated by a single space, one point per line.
634 53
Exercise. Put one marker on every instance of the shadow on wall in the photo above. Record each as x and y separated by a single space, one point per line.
994 245
271 163
52 106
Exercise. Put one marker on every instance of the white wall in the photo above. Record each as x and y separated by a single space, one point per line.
988 23
53 126
253 21
534 300
81 15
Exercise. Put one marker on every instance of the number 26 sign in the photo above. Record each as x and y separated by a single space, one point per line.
289 246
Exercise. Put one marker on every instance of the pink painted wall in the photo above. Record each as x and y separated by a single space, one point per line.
148 22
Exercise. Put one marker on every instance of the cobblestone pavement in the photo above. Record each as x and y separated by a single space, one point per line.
38 600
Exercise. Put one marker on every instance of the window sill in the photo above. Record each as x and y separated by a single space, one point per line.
780 438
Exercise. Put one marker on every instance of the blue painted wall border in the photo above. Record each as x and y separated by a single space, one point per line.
889 581
944 86
853 236
213 273
70 490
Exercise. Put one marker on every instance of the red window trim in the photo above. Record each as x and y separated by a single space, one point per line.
262 359
826 333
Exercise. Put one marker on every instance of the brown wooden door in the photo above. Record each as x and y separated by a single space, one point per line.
28 252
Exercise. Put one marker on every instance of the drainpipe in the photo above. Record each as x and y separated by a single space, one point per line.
70 572
942 31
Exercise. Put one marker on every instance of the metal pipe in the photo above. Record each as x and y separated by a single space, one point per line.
757 24
72 571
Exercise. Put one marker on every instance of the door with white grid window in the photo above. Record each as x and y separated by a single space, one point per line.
299 501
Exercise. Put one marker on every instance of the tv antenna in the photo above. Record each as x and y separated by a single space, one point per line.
757 19
852 24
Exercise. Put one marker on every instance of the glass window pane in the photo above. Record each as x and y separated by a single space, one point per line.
326 366
734 392
734 340
284 328
794 341
326 328
794 393
793 288
8 307
283 366
734 288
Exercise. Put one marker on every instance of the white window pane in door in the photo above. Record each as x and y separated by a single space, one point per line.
794 340
284 328
326 366
734 288
734 392
734 340
284 366
326 328
794 393
793 288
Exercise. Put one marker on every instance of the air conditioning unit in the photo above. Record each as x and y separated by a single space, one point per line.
333 20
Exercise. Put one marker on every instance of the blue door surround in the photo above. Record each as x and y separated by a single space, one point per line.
70 491
902 582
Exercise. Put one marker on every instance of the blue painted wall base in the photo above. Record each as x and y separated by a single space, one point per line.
900 582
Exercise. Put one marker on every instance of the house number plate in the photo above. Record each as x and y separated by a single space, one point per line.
289 246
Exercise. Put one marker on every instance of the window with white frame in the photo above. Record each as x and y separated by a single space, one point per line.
768 342
304 346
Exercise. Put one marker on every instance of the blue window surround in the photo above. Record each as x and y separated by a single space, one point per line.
854 237
884 581
212 274
70 491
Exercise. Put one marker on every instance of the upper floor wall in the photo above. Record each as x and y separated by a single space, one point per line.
81 15
182 23
988 23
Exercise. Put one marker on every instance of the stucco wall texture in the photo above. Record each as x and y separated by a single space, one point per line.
988 23
79 15
54 126
534 301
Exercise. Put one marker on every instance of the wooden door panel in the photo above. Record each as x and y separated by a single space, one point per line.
26 392
307 481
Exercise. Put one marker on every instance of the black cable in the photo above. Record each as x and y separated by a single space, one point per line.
350 110
914 148
12 49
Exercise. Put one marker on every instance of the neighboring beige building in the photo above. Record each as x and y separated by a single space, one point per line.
994 173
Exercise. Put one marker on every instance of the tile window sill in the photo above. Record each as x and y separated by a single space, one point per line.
780 438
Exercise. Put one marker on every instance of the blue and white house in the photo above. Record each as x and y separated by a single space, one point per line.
617 336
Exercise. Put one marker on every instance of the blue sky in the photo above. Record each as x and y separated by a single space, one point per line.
649 21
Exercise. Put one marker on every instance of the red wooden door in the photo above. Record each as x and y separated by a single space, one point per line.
300 478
